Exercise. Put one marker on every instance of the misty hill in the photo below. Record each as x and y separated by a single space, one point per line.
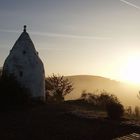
125 92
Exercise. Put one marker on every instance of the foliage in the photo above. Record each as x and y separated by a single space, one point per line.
105 101
128 110
137 111
106 98
57 87
12 94
115 110
90 97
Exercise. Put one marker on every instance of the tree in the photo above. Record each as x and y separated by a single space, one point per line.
57 87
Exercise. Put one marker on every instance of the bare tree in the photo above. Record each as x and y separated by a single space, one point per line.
57 87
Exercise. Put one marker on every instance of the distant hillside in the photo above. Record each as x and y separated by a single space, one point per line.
125 92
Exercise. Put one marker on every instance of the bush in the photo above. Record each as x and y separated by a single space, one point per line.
114 110
106 102
89 97
137 111
12 94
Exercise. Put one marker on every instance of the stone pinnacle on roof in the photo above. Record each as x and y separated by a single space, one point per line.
24 30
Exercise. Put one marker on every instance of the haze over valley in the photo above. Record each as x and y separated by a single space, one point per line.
127 93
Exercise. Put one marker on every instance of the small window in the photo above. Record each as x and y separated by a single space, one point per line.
20 73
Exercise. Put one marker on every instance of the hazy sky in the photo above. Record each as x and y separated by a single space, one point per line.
95 37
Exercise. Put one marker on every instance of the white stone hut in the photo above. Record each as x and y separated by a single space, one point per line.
25 65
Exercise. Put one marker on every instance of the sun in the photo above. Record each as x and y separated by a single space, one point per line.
130 71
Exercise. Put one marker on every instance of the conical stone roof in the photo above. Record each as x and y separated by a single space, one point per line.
24 63
24 41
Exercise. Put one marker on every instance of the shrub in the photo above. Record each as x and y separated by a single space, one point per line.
105 98
137 111
106 102
89 97
128 110
114 110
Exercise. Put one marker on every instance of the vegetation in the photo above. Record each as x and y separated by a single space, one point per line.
10 89
115 110
57 87
128 110
105 101
13 96
137 111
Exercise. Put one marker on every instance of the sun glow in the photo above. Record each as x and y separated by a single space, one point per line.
131 70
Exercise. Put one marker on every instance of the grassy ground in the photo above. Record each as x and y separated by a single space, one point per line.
55 122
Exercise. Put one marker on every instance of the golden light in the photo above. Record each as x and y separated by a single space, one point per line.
130 71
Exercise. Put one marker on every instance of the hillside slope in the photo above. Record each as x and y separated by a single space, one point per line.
125 92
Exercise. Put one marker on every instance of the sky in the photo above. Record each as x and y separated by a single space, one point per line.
74 37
